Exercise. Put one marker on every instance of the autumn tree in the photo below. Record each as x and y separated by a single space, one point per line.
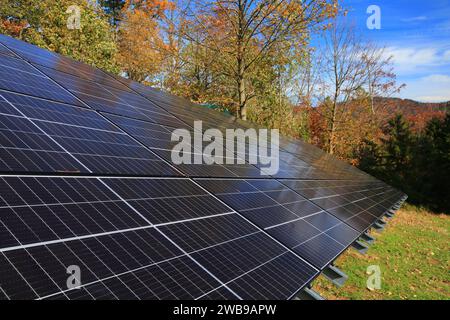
380 79
242 33
44 23
140 43
113 9
352 74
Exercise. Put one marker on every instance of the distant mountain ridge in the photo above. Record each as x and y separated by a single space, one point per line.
418 113
411 107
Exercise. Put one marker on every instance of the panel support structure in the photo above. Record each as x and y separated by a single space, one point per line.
379 226
390 214
336 276
309 294
360 247
367 238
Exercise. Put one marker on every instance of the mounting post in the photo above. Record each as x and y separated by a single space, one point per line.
336 276
367 238
379 226
308 294
390 214
360 247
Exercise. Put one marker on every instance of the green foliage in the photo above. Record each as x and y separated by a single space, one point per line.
433 165
45 24
369 155
418 164
399 144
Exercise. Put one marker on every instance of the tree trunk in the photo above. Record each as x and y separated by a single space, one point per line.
242 108
331 146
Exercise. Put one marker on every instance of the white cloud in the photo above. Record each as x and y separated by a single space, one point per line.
437 78
432 88
412 55
447 55
412 60
415 19
436 99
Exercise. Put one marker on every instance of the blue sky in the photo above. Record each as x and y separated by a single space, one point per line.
417 34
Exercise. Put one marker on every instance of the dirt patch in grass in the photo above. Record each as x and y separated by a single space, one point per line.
413 253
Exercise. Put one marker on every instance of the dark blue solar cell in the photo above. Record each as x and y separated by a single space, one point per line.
269 216
294 233
320 250
229 261
199 234
282 284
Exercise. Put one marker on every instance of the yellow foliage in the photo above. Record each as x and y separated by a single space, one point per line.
140 44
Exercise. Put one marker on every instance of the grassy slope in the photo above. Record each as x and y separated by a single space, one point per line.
413 253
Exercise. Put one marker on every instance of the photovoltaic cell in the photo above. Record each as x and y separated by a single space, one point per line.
357 203
199 234
290 271
90 141
159 139
219 294
229 263
111 100
287 216
16 75
58 62
47 209
4 51
42 269
178 278
26 148
167 200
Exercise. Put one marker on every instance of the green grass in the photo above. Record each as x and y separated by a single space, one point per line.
413 253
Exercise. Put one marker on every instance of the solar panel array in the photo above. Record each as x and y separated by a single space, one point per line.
86 180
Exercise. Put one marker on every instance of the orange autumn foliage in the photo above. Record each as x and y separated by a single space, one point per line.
13 28
140 43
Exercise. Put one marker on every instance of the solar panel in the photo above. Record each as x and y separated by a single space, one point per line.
26 148
87 180
113 101
359 204
114 227
158 139
6 51
58 62
291 163
91 143
295 221
16 75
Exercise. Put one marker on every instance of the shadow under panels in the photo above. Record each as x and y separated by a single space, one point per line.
136 238
355 202
48 137
303 227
